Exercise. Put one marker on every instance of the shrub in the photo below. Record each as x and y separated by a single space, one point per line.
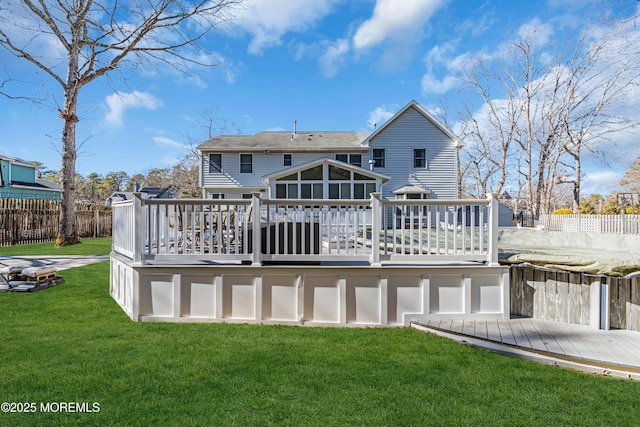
562 211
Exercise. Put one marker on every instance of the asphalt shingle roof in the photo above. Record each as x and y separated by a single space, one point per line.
288 141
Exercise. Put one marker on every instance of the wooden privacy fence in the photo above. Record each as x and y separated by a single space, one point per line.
602 302
612 224
37 220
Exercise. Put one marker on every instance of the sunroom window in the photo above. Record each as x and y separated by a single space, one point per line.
341 183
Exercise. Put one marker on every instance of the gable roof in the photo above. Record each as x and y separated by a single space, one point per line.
17 161
413 104
411 189
314 163
286 142
312 141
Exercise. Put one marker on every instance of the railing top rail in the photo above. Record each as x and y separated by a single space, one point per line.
436 202
197 202
316 202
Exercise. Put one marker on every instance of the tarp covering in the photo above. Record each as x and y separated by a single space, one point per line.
608 254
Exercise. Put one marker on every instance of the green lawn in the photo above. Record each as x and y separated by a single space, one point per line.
72 343
89 246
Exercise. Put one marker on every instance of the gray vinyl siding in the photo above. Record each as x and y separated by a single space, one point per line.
263 164
412 130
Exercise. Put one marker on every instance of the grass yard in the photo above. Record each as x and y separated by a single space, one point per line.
72 343
89 246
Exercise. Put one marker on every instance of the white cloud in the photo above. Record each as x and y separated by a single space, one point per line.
431 84
120 101
169 143
440 57
398 20
601 182
268 20
536 32
333 57
382 114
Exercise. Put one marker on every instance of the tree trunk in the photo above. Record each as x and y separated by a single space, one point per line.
576 184
68 234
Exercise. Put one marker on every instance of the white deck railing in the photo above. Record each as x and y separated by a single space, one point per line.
294 230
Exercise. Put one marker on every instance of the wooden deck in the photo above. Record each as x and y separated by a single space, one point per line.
613 350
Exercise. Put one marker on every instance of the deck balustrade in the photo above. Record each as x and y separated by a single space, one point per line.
261 231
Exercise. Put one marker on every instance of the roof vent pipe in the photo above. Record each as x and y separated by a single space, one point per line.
295 123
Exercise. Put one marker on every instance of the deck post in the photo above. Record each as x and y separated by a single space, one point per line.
138 228
493 230
375 229
256 238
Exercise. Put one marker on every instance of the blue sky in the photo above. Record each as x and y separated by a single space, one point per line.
329 64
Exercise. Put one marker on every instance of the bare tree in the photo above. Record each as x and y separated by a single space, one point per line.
555 103
96 38
185 174
599 77
511 131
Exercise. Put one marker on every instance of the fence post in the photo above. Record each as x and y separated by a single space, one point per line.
493 230
376 226
138 227
96 220
256 238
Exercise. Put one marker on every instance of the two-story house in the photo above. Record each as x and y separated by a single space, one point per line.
18 180
412 155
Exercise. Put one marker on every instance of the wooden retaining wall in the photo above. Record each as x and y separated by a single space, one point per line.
36 220
624 303
569 297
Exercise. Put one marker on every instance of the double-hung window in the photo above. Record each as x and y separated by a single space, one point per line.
419 158
352 159
378 157
246 163
287 160
215 163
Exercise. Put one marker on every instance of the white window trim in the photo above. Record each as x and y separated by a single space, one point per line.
425 159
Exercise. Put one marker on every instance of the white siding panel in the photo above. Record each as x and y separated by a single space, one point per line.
412 130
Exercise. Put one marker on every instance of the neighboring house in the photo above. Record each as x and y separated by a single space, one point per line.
118 196
18 180
411 156
169 192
